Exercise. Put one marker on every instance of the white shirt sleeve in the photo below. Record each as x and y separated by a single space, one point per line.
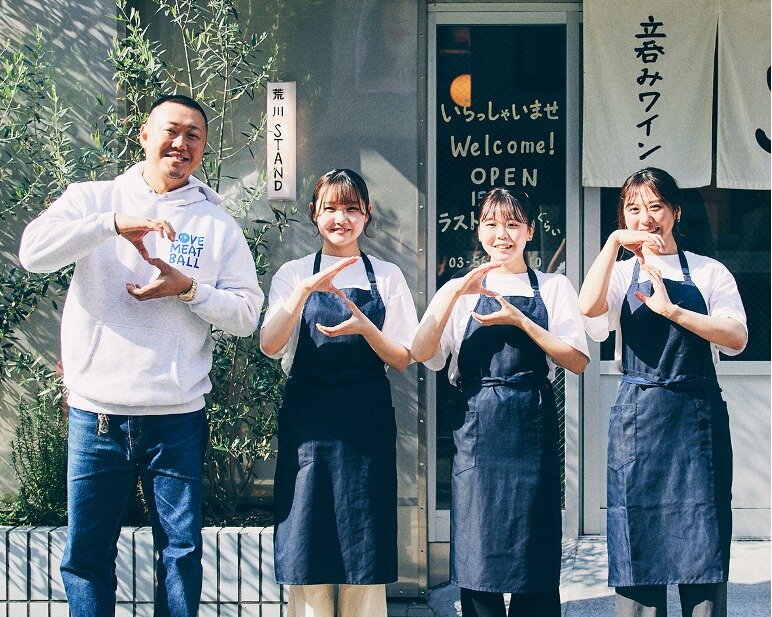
283 284
560 299
712 278
401 320
599 327
448 338
565 320
69 229
724 301
234 302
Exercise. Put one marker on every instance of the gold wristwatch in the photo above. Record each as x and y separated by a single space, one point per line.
187 296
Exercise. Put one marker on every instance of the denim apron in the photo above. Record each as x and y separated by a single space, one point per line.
669 454
505 513
336 480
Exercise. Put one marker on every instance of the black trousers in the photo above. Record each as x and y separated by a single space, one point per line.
487 604
651 601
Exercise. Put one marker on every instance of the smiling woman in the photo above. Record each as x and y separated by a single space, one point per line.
336 318
505 229
507 326
648 212
340 224
672 310
341 211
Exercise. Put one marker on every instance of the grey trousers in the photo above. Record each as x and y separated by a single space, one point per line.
651 601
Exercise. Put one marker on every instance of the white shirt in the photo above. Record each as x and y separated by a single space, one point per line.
560 299
715 282
401 320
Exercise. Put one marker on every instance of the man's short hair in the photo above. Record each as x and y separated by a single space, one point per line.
183 100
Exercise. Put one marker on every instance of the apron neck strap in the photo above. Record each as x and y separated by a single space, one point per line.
369 270
365 261
533 280
317 261
684 265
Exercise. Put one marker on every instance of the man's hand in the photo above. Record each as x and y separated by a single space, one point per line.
170 282
134 229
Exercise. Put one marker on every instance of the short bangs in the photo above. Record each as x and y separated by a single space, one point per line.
341 186
658 181
340 193
503 205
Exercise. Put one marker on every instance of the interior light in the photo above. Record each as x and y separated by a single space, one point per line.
461 90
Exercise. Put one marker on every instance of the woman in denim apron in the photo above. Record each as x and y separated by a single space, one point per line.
503 323
336 318
669 454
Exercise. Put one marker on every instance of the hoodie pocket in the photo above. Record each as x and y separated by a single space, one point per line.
130 366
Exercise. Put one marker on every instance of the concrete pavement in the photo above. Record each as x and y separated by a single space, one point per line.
584 592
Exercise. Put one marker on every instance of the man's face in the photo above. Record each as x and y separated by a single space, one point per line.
174 138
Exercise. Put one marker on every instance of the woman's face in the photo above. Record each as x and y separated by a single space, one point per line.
646 211
504 240
340 224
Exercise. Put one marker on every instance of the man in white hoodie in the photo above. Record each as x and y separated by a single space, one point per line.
157 264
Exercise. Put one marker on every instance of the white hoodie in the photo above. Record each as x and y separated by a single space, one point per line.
123 356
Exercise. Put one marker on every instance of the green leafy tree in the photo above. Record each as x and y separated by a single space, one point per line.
37 162
210 58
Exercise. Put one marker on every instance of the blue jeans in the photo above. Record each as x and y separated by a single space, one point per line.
167 452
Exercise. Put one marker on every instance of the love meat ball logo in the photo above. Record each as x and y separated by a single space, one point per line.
186 250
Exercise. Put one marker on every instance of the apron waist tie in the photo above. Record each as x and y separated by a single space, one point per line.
510 381
681 382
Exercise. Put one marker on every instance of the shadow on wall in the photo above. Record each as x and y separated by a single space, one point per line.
355 68
78 35
77 38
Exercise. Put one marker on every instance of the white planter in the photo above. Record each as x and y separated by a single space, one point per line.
237 561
